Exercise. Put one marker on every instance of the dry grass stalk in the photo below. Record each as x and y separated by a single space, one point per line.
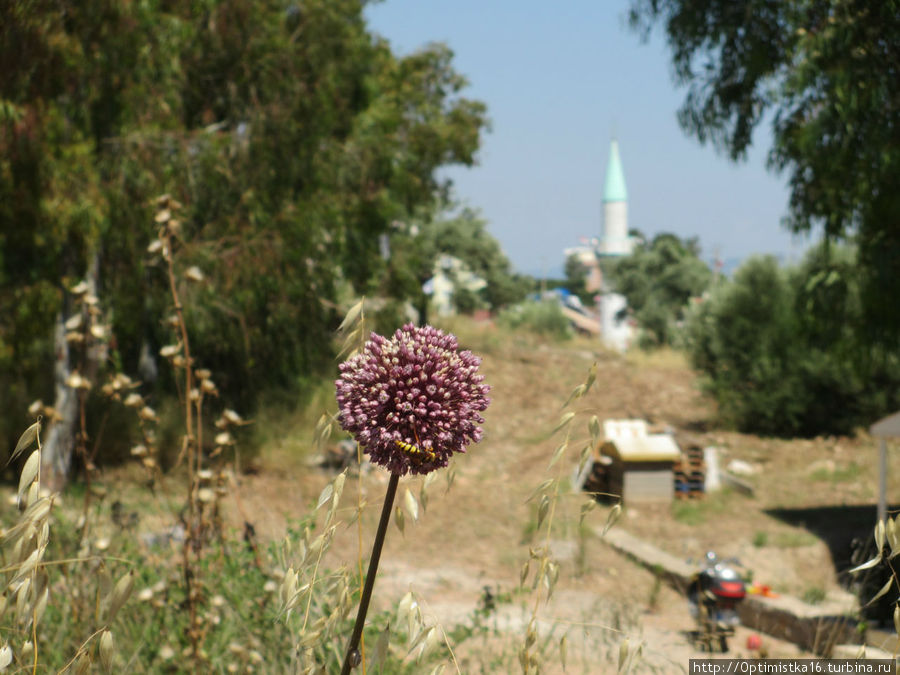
206 486
27 587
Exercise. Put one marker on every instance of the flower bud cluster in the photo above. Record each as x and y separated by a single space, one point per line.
412 400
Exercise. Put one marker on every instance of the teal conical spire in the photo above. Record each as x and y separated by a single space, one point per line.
614 190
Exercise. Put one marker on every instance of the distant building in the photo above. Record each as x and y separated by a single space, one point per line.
615 240
450 274
632 464
616 328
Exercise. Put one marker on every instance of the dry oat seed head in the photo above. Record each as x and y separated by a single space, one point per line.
147 414
134 400
194 274
412 400
6 657
80 288
107 650
232 417
169 351
74 322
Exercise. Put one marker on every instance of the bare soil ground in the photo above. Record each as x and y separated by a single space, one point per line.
477 535
811 498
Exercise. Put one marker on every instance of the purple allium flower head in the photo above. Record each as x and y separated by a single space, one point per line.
412 400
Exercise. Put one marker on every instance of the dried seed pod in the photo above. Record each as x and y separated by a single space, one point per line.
29 471
26 439
82 664
148 414
134 400
169 351
194 274
232 417
76 381
80 288
411 505
120 594
34 493
41 605
73 322
107 650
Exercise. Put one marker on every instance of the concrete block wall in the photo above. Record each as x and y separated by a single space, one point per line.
816 628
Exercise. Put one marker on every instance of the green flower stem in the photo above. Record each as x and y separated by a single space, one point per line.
352 659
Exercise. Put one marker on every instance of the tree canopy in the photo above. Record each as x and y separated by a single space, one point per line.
658 279
826 74
783 352
292 135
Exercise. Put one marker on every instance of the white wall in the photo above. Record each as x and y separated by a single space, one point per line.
615 334
615 229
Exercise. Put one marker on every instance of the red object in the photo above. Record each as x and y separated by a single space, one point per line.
754 642
730 589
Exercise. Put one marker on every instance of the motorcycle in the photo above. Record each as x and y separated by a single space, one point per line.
714 594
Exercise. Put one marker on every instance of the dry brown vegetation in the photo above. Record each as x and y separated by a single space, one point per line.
477 535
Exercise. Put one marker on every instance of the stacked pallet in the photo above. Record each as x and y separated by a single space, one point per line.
600 481
690 474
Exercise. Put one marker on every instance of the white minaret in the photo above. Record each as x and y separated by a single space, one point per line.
615 208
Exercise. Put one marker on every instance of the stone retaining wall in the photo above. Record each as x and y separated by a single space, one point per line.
816 628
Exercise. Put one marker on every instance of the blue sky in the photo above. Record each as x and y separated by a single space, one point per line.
560 79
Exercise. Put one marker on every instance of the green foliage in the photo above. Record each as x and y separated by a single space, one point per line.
292 136
437 230
543 318
152 628
658 280
786 351
576 278
826 74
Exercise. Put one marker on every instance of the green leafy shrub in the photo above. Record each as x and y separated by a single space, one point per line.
786 352
541 317
658 280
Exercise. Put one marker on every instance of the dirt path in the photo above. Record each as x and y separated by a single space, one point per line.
478 534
